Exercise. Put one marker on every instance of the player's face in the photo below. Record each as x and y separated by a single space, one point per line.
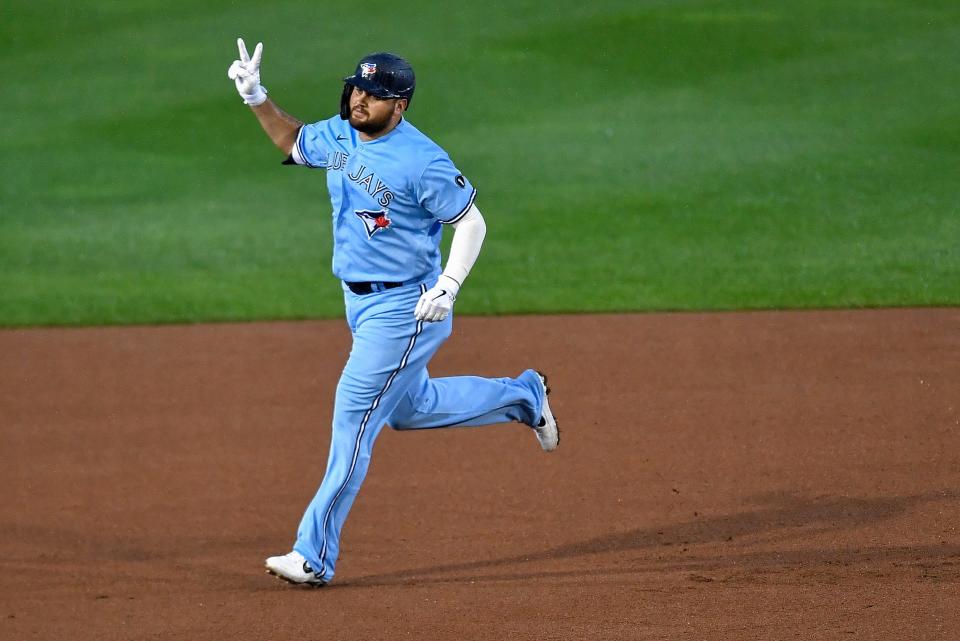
372 115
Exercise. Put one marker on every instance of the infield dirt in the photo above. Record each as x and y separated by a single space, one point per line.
765 475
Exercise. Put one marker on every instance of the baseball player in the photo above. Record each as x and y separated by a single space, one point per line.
392 190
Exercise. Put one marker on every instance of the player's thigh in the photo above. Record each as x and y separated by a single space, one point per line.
387 359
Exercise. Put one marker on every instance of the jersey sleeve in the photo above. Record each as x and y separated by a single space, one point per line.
444 192
310 149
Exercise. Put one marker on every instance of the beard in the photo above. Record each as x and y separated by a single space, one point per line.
370 126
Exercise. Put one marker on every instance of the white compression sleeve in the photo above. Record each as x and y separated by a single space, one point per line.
467 239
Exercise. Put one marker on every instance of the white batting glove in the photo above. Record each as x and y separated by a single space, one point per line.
437 302
245 73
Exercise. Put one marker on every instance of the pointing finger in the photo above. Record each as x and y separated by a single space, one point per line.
257 54
244 56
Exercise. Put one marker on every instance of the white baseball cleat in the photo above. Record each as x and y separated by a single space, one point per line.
294 568
548 433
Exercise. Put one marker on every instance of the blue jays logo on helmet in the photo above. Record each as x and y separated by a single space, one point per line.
368 69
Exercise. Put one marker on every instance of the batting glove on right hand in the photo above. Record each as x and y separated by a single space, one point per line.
245 73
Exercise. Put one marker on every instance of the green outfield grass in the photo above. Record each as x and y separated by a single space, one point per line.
629 155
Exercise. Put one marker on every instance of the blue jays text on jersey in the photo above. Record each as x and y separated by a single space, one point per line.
364 178
390 197
337 160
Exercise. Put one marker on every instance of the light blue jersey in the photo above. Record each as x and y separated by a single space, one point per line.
389 196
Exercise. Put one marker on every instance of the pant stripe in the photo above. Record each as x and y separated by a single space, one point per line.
363 429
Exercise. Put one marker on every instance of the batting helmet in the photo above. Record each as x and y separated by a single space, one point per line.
383 75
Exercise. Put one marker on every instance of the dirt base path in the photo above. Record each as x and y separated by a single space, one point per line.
721 476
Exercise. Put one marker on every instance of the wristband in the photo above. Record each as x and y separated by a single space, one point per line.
258 97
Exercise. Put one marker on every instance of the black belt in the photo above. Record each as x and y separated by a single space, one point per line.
368 288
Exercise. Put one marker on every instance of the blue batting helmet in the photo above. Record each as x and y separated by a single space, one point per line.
384 75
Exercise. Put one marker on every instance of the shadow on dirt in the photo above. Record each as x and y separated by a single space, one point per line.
780 517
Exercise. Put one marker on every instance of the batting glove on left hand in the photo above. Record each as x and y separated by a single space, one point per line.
245 73
437 302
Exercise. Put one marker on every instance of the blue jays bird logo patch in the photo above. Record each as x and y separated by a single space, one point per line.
367 69
374 221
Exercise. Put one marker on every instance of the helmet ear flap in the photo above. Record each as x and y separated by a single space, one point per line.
345 101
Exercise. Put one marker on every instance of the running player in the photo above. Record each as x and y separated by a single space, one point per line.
392 190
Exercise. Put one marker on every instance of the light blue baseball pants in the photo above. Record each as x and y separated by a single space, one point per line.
385 381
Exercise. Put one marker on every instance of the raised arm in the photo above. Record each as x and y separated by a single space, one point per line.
279 125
